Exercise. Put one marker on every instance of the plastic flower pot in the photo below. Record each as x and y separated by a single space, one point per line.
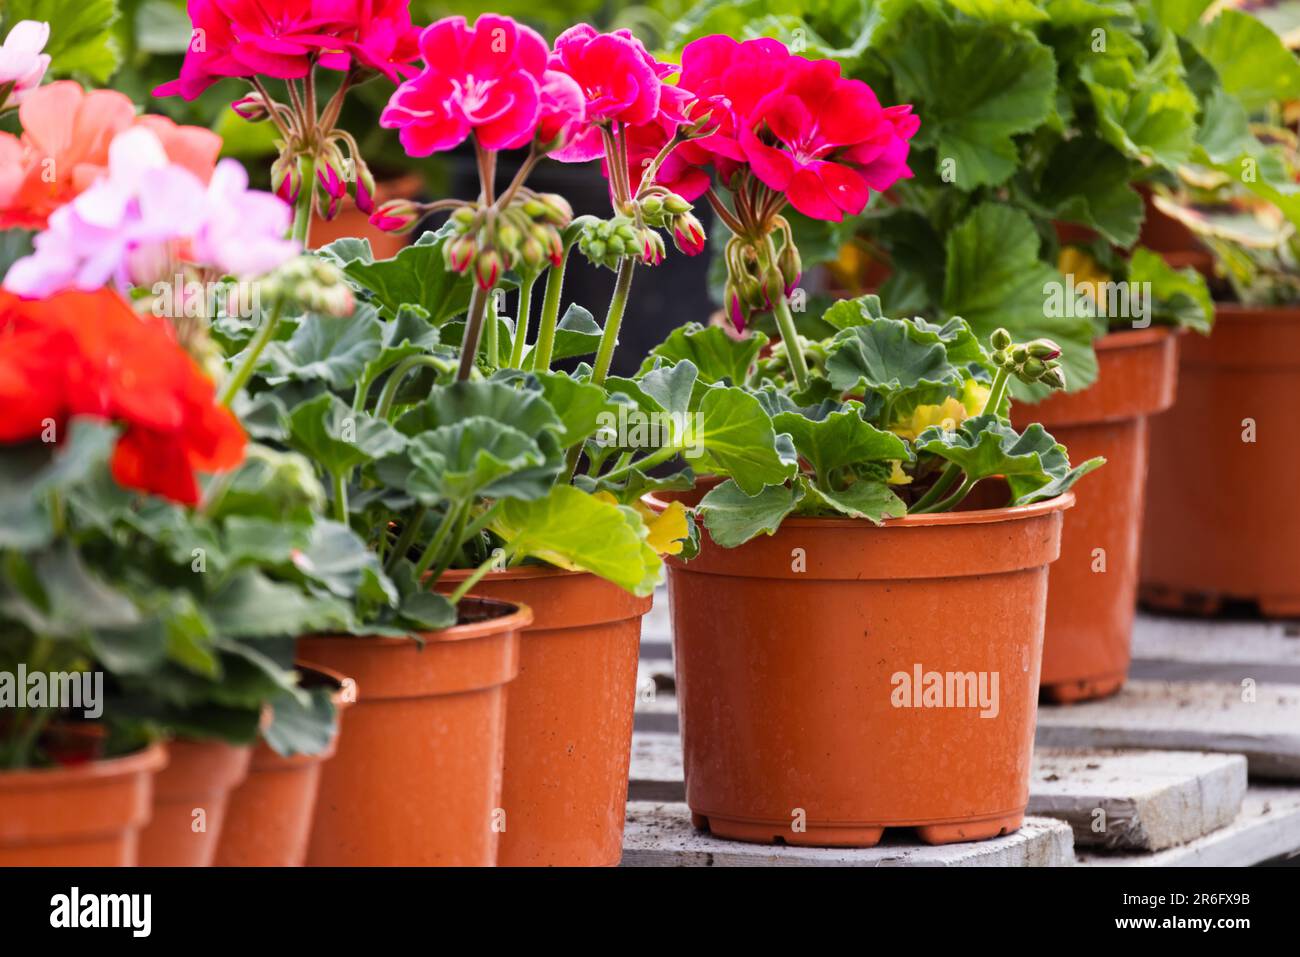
797 656
1222 518
416 780
569 725
80 815
190 798
268 822
1091 603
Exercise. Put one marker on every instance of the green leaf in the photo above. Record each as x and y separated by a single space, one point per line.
261 541
572 529
1144 109
29 472
1252 62
416 276
1087 181
847 313
338 437
301 723
1181 296
717 356
73 599
250 605
337 558
326 347
977 85
996 279
471 457
889 357
581 406
733 436
733 518
81 35
840 439
869 499
524 410
576 334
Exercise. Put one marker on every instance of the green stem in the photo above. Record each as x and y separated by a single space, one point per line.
340 497
251 356
491 341
303 207
550 315
940 486
484 567
952 501
772 279
450 519
473 326
388 395
926 503
522 321
613 320
649 462
407 538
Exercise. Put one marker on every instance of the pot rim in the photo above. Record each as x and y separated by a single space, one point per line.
1240 311
982 516
151 758
345 692
1136 338
517 617
517 573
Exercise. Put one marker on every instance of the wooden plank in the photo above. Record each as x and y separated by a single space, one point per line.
1268 828
1137 799
1140 800
659 834
1187 716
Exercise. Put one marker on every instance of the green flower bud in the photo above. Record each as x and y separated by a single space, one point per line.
1044 349
676 205
1000 339
1033 368
1053 378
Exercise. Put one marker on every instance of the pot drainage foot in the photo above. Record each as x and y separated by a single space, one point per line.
971 830
1179 602
813 835
1087 689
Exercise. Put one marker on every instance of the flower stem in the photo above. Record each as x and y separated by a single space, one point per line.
613 320
407 538
473 328
491 329
389 394
306 195
340 497
550 315
522 320
484 567
254 352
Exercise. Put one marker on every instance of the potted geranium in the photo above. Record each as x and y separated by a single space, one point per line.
1225 538
1027 218
826 595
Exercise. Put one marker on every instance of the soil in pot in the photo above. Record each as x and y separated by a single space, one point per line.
268 821
84 814
416 780
837 679
569 725
1223 519
190 798
1091 601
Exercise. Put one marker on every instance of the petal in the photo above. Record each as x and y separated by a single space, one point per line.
808 195
846 188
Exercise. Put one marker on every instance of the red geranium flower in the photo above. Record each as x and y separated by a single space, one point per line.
91 354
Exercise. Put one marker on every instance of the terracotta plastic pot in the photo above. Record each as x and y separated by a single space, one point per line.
82 815
1223 517
793 654
1090 604
569 730
416 780
269 818
190 798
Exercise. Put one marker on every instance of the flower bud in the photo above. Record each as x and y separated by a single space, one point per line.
652 205
459 253
462 217
532 253
1019 354
791 266
1044 349
252 108
1033 368
1053 378
396 216
1000 339
365 189
556 209
488 268
676 205
735 307
688 234
286 179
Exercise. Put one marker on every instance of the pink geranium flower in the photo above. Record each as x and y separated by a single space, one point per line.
282 38
130 225
563 110
486 79
22 64
621 81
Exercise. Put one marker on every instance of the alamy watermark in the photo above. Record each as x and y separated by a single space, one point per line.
634 429
1097 299
65 690
919 688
